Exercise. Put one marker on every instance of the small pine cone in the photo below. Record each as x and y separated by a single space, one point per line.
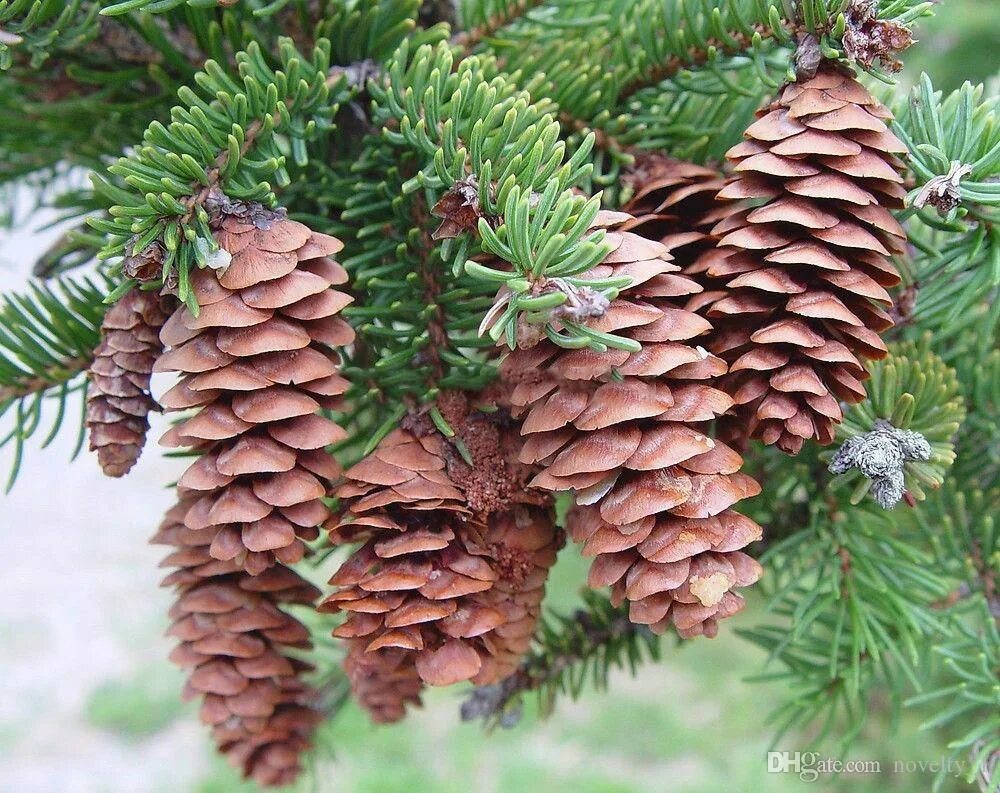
118 398
234 636
257 363
384 683
625 432
521 546
805 263
422 581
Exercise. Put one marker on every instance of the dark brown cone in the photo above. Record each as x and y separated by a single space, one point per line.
625 431
804 263
118 398
452 592
234 639
257 363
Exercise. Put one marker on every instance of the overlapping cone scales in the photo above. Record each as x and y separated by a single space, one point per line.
622 430
458 597
234 637
257 366
118 398
675 203
384 683
671 569
805 263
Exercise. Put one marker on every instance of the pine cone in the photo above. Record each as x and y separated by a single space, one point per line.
675 203
118 398
257 364
233 637
805 263
623 430
454 593
383 682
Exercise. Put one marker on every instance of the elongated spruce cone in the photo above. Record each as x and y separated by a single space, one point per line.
805 263
118 397
234 636
625 431
458 596
257 363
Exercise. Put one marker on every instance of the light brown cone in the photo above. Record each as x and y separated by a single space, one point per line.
804 263
257 365
234 639
118 397
625 431
452 592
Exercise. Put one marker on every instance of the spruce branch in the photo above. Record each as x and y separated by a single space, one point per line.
222 140
483 19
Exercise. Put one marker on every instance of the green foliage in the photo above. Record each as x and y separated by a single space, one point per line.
913 389
851 603
963 532
978 459
225 135
40 26
961 128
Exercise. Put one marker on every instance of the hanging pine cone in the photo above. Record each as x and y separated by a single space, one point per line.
234 636
257 364
624 431
384 683
118 398
455 593
805 263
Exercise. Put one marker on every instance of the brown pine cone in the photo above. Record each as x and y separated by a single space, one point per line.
422 581
234 636
805 262
675 203
257 363
384 683
118 398
625 431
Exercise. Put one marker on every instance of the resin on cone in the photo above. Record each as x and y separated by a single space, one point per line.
625 431
257 365
804 264
118 397
234 646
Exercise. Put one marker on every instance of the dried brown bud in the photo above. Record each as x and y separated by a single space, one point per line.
868 38
147 264
459 208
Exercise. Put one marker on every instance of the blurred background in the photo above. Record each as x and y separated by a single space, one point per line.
89 703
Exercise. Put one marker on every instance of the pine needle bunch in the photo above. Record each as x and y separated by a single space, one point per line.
429 289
